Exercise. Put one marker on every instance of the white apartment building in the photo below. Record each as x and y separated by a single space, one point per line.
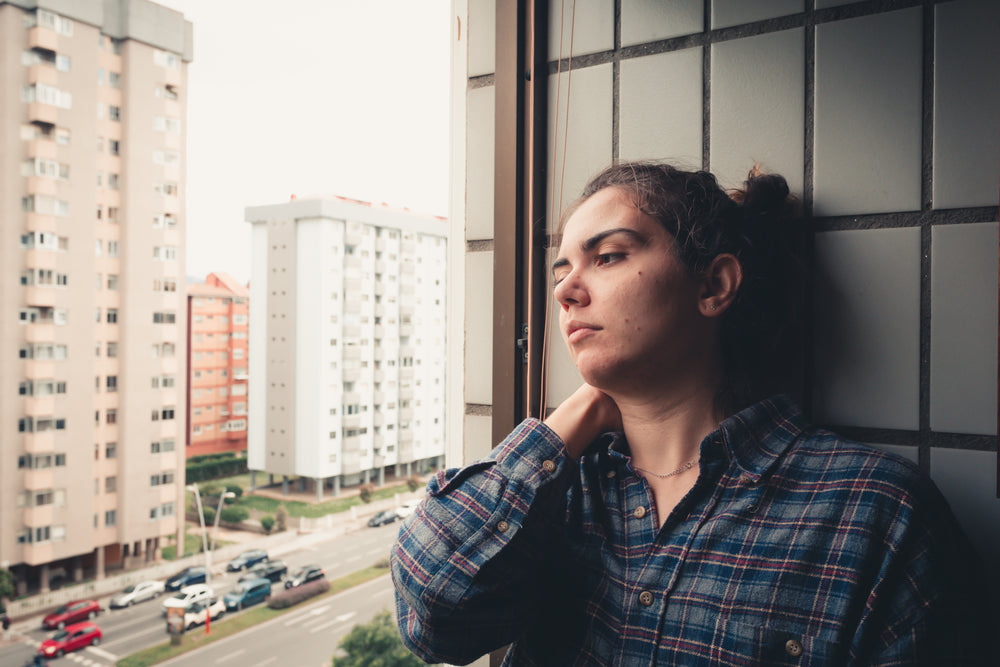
347 342
92 348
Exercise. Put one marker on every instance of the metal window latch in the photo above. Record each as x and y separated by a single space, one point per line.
522 343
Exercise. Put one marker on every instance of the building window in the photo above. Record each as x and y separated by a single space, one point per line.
110 484
112 281
164 318
111 383
111 450
112 315
111 416
114 113
110 517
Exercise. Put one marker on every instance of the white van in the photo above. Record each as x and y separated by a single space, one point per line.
187 595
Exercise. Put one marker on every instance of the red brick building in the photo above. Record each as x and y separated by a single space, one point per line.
217 365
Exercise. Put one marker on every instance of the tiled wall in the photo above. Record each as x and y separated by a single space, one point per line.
882 115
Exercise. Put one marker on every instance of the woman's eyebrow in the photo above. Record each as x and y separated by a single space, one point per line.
592 242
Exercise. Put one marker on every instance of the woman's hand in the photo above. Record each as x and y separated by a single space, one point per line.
586 414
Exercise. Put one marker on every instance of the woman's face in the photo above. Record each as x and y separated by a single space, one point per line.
628 305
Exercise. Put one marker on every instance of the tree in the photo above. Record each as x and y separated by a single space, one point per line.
375 644
267 523
281 518
7 586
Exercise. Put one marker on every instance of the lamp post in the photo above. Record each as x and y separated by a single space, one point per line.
204 530
218 514
201 519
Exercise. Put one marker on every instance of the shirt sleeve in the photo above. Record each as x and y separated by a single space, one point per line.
470 563
929 607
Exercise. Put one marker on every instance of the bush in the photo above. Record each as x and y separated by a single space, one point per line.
366 491
214 468
237 492
281 518
293 596
413 483
375 643
209 515
234 514
267 523
382 563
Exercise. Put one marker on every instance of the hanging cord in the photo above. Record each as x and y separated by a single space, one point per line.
556 200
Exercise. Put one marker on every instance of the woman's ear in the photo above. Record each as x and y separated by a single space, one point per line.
719 284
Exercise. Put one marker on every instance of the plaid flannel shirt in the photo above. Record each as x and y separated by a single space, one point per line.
794 547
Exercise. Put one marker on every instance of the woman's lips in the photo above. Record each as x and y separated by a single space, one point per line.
577 331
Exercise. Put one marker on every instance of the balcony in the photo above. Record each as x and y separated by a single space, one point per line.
43 113
43 38
40 442
43 73
39 406
43 148
43 478
41 295
40 369
37 185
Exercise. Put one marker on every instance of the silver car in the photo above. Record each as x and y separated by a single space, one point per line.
140 592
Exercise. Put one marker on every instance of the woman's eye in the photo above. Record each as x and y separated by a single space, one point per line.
608 258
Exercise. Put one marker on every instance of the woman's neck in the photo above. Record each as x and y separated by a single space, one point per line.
664 432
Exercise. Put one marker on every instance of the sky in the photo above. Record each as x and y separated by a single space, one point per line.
310 98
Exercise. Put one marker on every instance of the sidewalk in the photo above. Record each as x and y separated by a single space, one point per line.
26 612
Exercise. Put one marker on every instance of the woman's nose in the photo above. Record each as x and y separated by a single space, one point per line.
571 292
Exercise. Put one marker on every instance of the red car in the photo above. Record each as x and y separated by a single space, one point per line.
73 637
78 610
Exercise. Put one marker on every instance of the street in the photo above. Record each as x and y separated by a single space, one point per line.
129 630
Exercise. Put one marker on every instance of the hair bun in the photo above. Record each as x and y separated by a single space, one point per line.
763 193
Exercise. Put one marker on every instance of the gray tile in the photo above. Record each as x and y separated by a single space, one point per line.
758 107
867 324
479 146
735 12
660 104
588 26
964 328
650 20
966 103
477 440
899 450
868 114
583 144
479 327
968 480
482 37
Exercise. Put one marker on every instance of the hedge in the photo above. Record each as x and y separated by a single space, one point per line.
214 469
235 514
293 596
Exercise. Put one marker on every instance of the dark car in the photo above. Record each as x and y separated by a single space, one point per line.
272 570
71 612
73 637
304 575
383 517
246 560
186 577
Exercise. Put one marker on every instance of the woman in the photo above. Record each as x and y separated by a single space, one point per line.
667 512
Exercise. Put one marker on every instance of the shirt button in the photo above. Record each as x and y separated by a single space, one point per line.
746 480
503 526
793 648
645 598
548 466
639 512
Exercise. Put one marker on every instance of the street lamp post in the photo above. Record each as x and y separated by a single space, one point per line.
201 519
204 530
218 514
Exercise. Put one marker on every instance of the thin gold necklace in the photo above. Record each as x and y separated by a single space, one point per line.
686 466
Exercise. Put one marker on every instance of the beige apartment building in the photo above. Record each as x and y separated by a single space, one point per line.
218 312
92 344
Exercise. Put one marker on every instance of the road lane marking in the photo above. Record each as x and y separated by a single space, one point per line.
354 558
231 655
122 640
101 653
306 612
344 617
273 658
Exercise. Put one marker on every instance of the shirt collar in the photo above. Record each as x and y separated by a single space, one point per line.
755 437
758 436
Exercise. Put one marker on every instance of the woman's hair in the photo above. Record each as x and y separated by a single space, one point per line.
760 224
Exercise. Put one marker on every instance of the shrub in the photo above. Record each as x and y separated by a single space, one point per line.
267 523
366 493
281 518
375 643
293 596
237 492
209 515
413 483
382 563
234 514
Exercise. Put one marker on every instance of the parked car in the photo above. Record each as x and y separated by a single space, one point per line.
273 570
142 591
187 596
382 518
71 638
248 592
407 508
199 611
303 575
189 575
246 560
72 612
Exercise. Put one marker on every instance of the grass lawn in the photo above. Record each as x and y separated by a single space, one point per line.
192 544
230 626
